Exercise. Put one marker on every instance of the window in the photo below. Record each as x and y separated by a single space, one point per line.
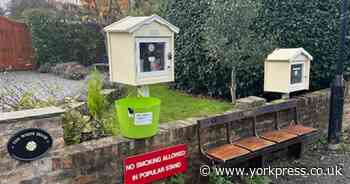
296 73
152 56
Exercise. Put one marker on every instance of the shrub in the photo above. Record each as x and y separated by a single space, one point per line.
96 100
74 124
57 40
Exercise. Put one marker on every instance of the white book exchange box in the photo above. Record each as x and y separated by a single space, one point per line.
141 50
287 70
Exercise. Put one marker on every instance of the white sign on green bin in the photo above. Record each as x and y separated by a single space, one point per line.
143 118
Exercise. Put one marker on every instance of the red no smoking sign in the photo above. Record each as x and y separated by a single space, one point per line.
155 165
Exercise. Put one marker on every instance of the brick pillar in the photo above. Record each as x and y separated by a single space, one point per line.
48 119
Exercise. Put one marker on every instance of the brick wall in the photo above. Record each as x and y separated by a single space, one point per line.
100 161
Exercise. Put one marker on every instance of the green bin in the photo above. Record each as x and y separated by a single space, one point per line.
138 116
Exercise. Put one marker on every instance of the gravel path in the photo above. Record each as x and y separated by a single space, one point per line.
318 156
42 86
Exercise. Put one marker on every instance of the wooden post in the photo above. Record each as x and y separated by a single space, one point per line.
285 96
143 91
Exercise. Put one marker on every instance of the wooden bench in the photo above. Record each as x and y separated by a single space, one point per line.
256 147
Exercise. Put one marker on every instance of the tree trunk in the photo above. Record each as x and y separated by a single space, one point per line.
233 86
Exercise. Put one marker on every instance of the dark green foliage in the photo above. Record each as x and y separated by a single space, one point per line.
215 178
203 63
176 179
190 16
57 40
257 180
313 25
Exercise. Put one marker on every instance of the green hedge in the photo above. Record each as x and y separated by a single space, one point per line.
313 25
197 70
190 17
58 40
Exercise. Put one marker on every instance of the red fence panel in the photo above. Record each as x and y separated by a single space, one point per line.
16 51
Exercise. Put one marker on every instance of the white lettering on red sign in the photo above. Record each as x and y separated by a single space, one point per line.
155 165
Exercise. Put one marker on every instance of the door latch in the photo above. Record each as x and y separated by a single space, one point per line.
170 56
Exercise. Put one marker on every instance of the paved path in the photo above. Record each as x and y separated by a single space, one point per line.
41 85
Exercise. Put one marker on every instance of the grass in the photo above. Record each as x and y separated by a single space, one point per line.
177 105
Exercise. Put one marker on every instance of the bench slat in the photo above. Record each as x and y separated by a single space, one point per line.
253 143
275 107
222 119
264 110
285 105
278 136
227 152
299 130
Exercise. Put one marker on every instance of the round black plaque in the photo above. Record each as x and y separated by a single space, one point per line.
29 144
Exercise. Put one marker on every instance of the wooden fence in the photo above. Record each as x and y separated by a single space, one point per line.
16 51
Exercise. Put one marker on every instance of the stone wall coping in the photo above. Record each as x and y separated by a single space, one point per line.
30 114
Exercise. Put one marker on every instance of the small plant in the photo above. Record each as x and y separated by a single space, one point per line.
96 100
344 148
177 179
74 124
257 180
218 179
322 141
28 101
109 122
